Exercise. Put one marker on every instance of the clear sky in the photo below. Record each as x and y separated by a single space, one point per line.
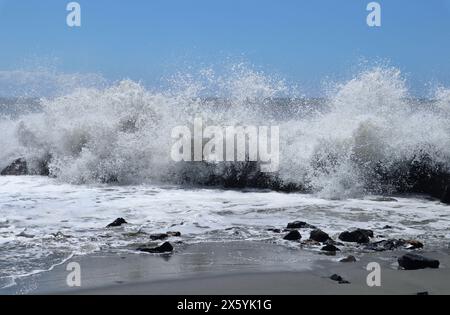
303 41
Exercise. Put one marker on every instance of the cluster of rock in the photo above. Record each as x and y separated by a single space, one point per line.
362 237
166 247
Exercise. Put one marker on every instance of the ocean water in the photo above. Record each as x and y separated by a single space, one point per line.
108 153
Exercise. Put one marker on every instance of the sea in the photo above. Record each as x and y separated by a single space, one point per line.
344 161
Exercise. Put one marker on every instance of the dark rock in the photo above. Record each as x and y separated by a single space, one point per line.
293 236
368 233
416 262
17 168
413 244
117 222
393 244
359 236
387 227
330 248
164 248
159 237
349 259
278 231
300 225
446 196
385 245
319 236
339 279
174 234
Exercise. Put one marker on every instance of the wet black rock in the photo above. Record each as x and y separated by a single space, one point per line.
164 248
330 248
300 225
349 259
359 236
117 222
17 168
277 231
416 262
413 244
385 245
339 279
293 236
319 236
159 237
393 244
446 196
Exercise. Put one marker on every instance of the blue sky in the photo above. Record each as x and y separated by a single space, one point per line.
302 41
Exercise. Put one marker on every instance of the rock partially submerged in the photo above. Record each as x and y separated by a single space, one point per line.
293 236
18 167
339 279
159 237
359 236
392 244
22 167
164 248
300 225
118 222
348 259
416 262
319 236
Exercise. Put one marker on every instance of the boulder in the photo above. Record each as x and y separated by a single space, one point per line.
117 222
293 236
18 167
319 236
164 248
277 231
416 262
359 236
300 225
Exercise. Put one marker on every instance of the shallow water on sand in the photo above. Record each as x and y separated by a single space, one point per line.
44 222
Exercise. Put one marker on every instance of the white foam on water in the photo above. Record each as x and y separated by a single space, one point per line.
43 207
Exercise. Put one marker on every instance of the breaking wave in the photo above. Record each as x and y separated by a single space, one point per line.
367 136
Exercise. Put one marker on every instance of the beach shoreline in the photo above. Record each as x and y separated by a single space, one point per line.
237 268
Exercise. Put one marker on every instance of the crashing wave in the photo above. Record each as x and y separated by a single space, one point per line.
368 136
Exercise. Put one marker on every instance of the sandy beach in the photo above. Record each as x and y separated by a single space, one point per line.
239 268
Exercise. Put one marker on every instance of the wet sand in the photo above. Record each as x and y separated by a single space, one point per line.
240 268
